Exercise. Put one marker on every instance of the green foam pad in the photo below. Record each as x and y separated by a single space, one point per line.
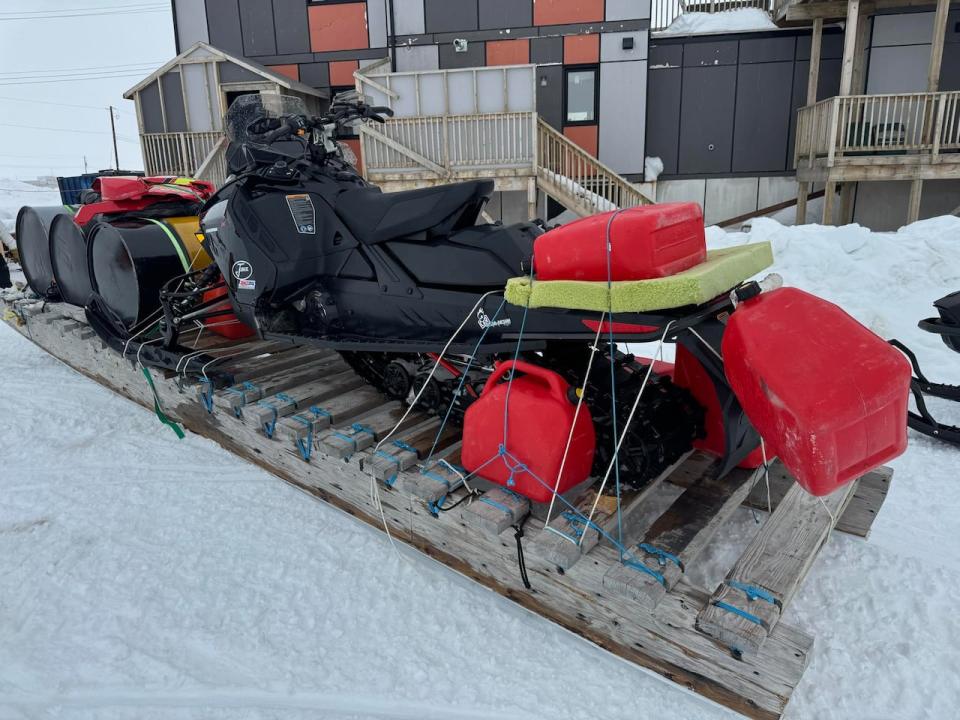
722 271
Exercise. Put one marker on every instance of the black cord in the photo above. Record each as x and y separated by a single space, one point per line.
521 563
458 502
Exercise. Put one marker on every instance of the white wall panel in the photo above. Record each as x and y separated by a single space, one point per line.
623 105
191 23
408 14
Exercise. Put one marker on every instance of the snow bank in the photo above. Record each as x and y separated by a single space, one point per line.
14 194
742 20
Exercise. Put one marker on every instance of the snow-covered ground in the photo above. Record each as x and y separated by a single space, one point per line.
142 577
14 194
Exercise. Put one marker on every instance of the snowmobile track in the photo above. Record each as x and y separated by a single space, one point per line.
728 645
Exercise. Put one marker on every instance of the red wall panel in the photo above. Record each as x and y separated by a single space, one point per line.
338 27
562 12
290 71
508 52
583 135
581 49
341 72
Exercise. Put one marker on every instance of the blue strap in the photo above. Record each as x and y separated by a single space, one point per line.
287 398
395 460
358 428
433 476
307 422
435 508
643 568
498 505
575 523
662 555
737 611
320 412
206 394
270 425
245 387
753 592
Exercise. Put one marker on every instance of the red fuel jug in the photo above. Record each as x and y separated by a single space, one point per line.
828 396
541 414
646 242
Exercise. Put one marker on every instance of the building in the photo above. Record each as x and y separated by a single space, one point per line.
721 110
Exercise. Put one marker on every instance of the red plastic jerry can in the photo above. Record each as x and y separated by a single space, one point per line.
828 396
538 423
226 325
646 242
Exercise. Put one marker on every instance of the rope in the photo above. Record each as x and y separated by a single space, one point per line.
576 414
615 461
374 488
616 452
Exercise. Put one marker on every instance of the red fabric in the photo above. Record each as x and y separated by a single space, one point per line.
121 194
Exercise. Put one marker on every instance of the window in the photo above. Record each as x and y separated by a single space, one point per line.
581 96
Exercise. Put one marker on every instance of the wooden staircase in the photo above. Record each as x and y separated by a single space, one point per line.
518 150
577 180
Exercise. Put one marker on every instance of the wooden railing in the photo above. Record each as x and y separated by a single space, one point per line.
566 168
664 12
894 124
448 144
214 167
176 153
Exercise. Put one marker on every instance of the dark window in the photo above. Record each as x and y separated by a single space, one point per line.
581 96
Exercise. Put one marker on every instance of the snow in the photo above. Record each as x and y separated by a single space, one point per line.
652 167
142 577
741 20
14 194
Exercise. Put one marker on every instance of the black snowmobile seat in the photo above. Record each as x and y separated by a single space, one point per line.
375 217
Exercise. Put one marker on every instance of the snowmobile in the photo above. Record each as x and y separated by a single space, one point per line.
947 326
409 288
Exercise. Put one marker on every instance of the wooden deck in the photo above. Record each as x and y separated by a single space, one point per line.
728 645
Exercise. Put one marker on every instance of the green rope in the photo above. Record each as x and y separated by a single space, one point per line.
161 416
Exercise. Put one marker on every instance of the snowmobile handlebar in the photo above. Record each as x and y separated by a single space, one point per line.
270 130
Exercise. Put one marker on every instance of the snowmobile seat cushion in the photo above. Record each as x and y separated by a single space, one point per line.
723 270
375 217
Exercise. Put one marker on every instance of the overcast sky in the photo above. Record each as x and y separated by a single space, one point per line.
52 68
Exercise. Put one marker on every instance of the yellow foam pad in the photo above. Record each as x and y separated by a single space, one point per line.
722 271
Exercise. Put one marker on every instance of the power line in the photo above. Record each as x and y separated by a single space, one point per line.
97 8
95 68
73 79
35 155
80 75
52 129
99 108
91 12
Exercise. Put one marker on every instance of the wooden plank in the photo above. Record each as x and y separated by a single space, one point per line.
367 430
675 539
748 604
665 641
299 370
267 411
857 519
495 511
334 411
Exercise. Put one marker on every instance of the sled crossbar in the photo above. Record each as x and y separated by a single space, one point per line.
728 644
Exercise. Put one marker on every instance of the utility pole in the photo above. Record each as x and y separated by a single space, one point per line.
113 131
85 165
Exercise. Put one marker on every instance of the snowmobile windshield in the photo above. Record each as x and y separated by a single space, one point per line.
247 109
